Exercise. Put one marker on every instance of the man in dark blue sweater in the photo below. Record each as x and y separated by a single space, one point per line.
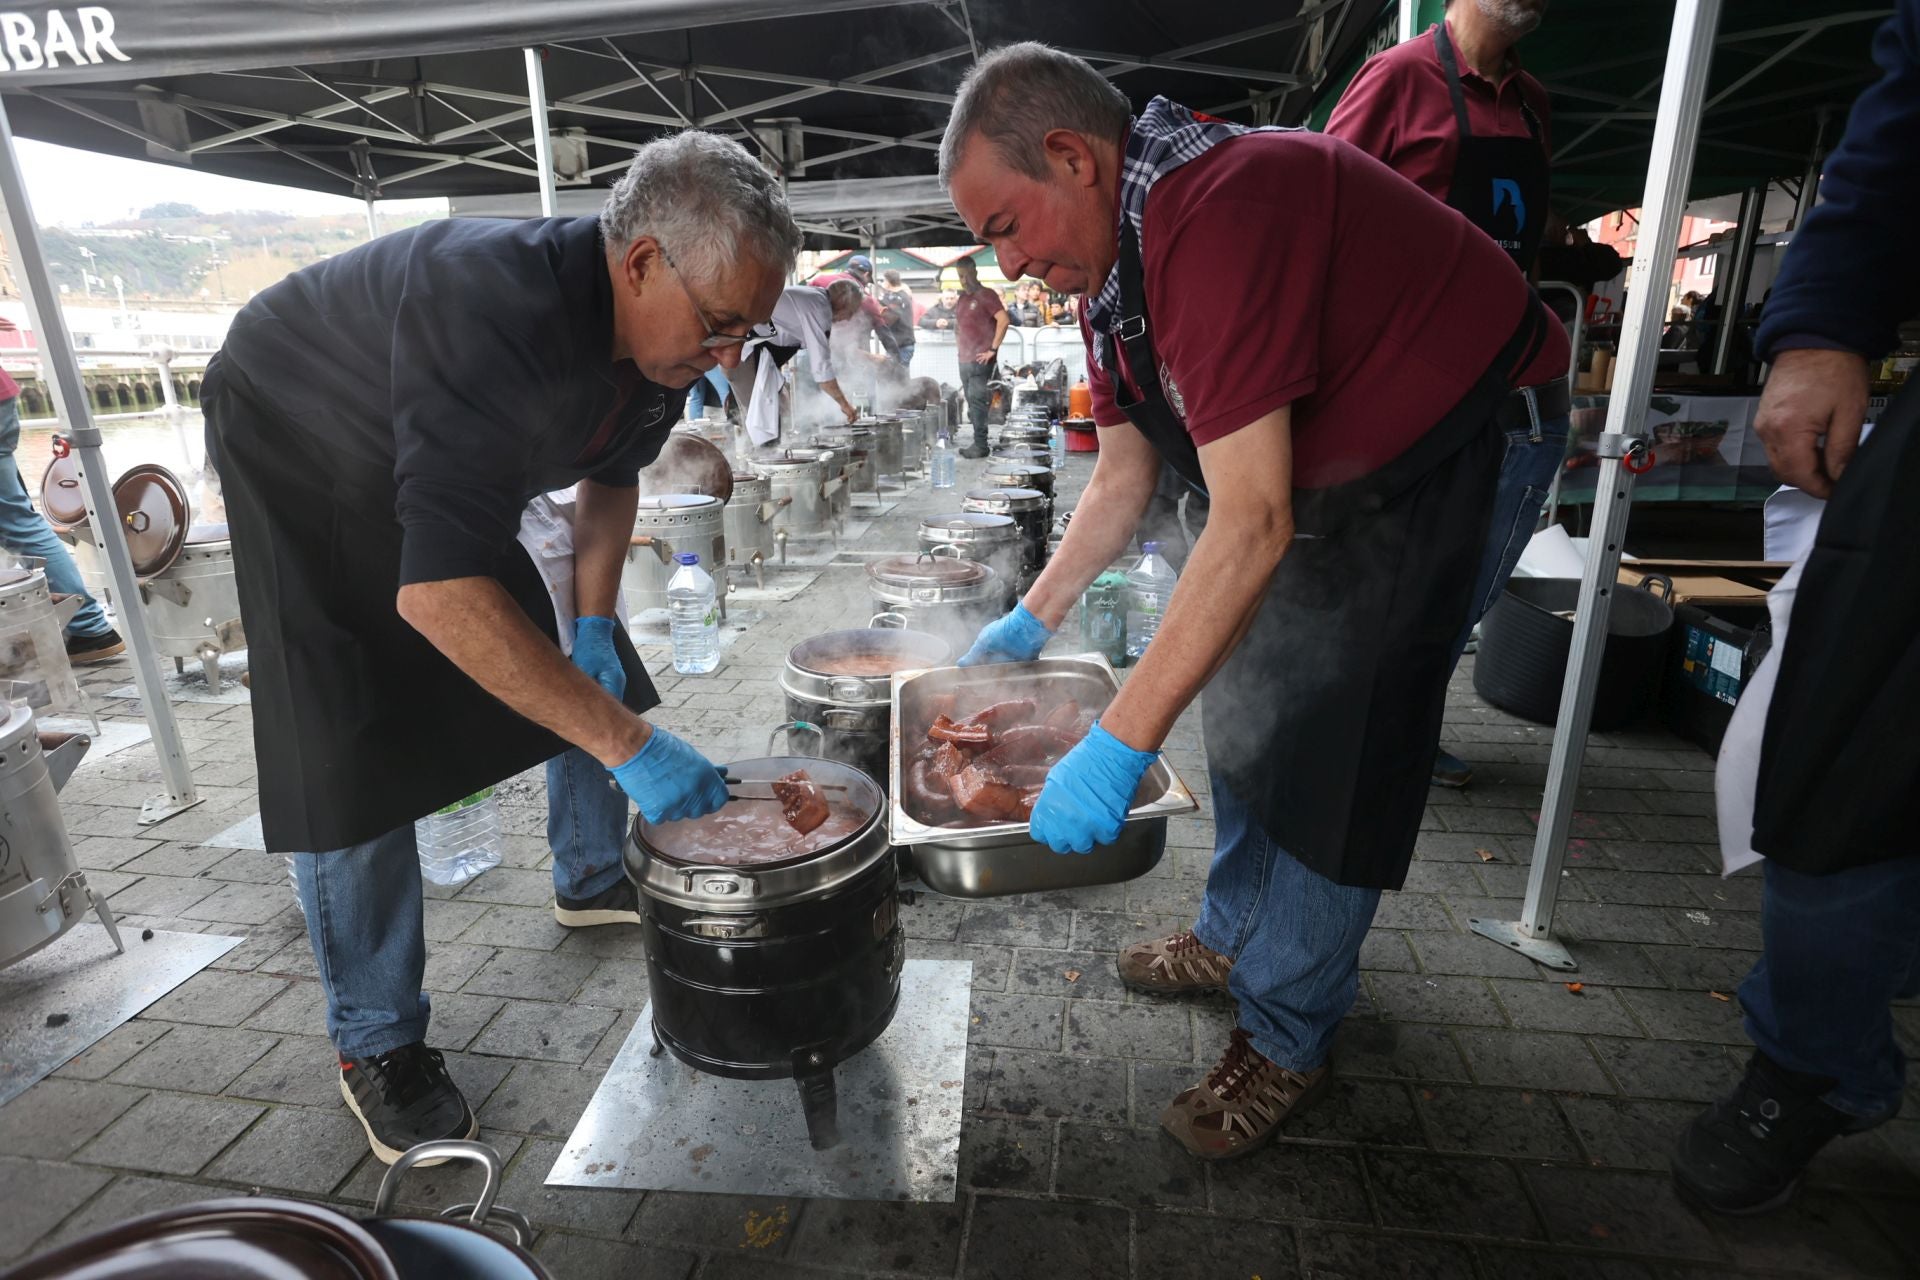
1837 803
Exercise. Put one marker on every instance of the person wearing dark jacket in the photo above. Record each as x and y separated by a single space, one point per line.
1837 799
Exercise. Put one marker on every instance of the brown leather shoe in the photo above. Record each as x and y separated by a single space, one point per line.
1174 965
1241 1104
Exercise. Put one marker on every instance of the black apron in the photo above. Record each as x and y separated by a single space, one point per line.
1839 782
360 725
1323 720
1500 184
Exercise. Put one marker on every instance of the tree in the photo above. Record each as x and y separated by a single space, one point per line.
170 209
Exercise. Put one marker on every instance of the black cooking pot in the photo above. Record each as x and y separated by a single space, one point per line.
1526 637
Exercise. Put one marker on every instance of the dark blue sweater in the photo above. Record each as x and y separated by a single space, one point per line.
1852 273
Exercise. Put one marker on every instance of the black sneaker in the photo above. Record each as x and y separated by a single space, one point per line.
619 903
1746 1152
82 649
973 452
1450 770
404 1098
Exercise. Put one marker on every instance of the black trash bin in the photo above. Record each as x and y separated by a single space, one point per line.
1525 639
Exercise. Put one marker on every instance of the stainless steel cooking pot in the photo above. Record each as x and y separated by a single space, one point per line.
837 715
980 536
666 525
945 596
748 519
43 891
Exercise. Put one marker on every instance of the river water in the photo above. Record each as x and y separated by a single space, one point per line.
128 442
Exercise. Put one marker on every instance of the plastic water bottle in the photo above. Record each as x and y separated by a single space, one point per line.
693 617
944 461
1149 588
1057 442
460 841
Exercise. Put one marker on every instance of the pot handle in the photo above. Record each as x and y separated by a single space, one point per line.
661 547
893 620
1661 580
478 1213
789 728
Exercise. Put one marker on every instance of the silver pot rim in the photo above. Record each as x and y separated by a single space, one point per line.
858 692
998 501
674 503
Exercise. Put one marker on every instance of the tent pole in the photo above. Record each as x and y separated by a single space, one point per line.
1407 8
542 139
1733 297
1810 182
373 220
1676 131
70 402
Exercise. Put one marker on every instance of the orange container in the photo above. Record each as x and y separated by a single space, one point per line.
1080 400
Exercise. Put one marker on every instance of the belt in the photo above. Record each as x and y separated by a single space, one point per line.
1527 406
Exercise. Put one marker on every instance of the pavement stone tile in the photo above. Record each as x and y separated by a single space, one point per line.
295 1149
1293 1182
1371 1112
1719 927
38 1194
165 859
1022 1083
112 1050
991 965
1867 1162
1702 968
543 1031
1687 1015
1659 855
1742 891
1470 1194
299 1010
1347 1255
1166 1248
56 1117
1637 888
1821 1233
1628 1133
743 1267
606 942
1008 1238
932 917
1411 911
447 918
1014 926
1532 1060
242 904
1387 951
1167 897
530 975
920 1239
1608 922
1397 1051
586 1258
128 1197
263 941
615 984
1468 954
169 1133
435 1187
1536 1005
160 896
1505 1262
214 998
108 853
303 1070
450 965
1101 1029
1442 877
1611 964
533 928
1110 931
249 866
761 1226
1003 1154
593 1211
1155 1084
1095 897
294 960
457 1019
1496 1122
1633 1213
511 886
1016 1021
1134 1166
196 1059
1423 997
1076 975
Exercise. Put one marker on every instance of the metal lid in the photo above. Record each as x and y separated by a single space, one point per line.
678 501
762 885
16 726
155 514
969 526
1005 500
1019 475
854 668
1030 455
252 1239
789 460
928 570
688 463
61 498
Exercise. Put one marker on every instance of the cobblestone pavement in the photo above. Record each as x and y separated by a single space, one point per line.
1486 1122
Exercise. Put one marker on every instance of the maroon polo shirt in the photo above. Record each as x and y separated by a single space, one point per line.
1367 306
1399 111
973 321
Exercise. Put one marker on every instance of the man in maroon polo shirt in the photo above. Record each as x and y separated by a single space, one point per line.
1344 408
980 324
1452 112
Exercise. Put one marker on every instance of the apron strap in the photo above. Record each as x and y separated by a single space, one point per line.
1443 45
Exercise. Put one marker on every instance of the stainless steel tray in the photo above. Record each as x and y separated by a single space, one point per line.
1003 858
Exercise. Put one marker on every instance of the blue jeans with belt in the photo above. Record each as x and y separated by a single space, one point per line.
1840 948
1293 935
713 379
364 906
1532 459
25 531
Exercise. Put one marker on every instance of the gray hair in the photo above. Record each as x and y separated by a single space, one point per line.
1017 94
843 293
707 200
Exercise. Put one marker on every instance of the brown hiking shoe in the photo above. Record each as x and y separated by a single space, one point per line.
1241 1104
1174 965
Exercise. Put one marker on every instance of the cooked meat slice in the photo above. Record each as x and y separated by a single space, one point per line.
1028 744
928 791
949 760
942 704
973 735
802 803
1012 711
1063 716
1029 796
982 795
1025 775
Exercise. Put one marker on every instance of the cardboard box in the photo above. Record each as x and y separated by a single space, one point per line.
1710 583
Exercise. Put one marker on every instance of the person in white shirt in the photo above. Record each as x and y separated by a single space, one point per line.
802 321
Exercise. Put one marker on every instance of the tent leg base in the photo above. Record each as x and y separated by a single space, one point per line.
163 806
1542 951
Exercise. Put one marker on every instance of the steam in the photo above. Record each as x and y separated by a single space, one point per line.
687 464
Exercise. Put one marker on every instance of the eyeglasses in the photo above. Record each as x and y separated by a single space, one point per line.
714 338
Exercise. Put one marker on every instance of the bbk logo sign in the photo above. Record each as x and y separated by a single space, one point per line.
48 38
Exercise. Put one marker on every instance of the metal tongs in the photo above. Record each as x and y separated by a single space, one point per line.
733 782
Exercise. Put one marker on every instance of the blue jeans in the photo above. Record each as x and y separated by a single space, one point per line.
364 906
1294 937
715 378
1839 949
26 532
905 354
1526 475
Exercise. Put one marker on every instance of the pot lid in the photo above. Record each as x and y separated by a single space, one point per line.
688 463
60 495
928 570
155 514
263 1238
788 459
1008 499
679 501
1017 471
968 524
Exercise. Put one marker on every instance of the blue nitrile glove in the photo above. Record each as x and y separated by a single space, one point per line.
594 654
1088 793
669 780
1018 637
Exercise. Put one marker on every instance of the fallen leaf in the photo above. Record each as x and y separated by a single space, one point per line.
1576 987
1721 996
1486 855
1073 975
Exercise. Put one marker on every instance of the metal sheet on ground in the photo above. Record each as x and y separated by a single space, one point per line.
64 998
114 735
244 834
190 685
656 1124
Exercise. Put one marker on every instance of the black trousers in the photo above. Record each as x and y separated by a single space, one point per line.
974 380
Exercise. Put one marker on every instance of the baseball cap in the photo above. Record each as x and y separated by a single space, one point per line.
862 263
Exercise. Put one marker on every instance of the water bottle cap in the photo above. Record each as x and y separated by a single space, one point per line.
1149 548
686 557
